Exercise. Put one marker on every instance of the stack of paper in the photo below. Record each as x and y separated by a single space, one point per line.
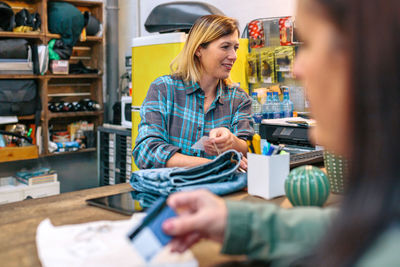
101 243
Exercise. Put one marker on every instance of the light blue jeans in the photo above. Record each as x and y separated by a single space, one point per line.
220 176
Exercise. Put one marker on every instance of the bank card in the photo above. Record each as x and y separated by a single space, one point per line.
149 238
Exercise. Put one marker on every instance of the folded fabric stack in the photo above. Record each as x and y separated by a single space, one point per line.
220 176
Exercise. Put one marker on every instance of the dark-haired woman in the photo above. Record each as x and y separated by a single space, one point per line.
349 64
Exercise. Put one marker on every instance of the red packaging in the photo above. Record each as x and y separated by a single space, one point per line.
256 34
286 30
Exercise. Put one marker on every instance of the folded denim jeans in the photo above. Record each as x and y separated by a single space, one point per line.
220 176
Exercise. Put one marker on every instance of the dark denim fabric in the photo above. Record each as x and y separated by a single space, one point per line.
220 176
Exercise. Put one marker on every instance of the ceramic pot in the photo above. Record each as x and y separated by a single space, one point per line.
307 186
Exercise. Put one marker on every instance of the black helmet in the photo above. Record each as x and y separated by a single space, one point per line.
91 23
6 17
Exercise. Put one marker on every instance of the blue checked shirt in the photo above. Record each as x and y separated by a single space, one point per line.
173 119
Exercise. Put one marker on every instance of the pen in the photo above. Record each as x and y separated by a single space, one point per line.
268 149
278 150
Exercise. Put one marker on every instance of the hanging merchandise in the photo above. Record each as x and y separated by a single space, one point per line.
256 34
252 68
267 66
284 57
286 30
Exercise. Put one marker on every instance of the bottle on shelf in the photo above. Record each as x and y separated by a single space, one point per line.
276 106
89 105
267 107
287 105
256 110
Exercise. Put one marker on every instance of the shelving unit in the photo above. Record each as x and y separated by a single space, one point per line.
53 87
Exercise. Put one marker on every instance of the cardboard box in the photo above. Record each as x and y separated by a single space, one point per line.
59 66
266 175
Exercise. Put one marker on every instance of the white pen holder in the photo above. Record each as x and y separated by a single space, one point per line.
266 174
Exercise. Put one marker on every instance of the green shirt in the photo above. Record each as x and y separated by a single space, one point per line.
266 231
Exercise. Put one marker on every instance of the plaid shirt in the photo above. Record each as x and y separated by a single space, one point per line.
173 119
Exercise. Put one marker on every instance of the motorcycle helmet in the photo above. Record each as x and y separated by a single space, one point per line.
6 17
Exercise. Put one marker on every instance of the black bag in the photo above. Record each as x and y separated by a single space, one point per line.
18 49
14 49
24 18
19 97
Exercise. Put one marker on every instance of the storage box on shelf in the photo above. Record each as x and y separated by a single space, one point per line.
19 191
66 87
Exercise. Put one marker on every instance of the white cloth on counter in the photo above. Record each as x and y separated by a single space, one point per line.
100 243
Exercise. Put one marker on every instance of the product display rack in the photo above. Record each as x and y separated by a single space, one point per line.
114 155
52 86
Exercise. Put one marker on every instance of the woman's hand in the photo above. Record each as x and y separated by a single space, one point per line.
221 140
201 214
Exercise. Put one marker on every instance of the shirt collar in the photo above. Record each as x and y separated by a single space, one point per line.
192 87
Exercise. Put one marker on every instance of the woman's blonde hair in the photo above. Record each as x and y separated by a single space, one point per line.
205 30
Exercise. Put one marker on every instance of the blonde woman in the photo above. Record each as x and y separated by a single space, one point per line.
196 100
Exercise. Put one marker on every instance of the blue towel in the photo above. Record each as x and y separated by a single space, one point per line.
220 176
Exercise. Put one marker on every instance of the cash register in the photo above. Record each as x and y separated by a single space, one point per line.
293 133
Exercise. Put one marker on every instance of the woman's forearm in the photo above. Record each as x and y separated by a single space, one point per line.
181 160
240 145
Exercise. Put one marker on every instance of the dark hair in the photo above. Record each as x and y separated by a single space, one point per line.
371 205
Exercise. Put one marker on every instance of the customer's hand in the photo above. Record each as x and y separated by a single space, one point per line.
221 139
201 214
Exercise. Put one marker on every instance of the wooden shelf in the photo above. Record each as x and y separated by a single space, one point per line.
28 117
74 114
18 153
87 76
82 2
26 35
92 149
70 87
20 76
88 38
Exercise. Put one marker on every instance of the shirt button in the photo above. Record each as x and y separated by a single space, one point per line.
199 128
201 107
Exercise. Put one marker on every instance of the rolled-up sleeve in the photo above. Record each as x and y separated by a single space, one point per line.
152 149
242 122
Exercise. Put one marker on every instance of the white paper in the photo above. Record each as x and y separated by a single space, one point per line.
200 144
285 121
8 119
101 243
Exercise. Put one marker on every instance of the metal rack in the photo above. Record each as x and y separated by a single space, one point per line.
114 155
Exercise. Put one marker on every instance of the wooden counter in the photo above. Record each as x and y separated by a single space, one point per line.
18 223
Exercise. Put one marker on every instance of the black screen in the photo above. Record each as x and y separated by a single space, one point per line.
123 203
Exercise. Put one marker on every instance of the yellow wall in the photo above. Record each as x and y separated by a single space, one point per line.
238 72
148 63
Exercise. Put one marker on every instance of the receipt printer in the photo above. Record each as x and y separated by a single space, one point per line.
289 131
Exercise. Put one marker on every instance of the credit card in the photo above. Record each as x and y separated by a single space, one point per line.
148 238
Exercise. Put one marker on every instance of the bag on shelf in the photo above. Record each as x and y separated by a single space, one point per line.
14 49
18 56
19 98
27 22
